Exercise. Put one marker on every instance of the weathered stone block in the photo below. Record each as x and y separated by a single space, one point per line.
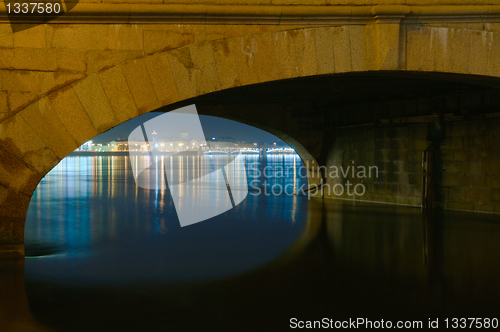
4 106
324 50
284 54
443 51
28 59
482 195
16 174
22 80
452 167
494 181
33 37
118 93
225 64
164 40
93 98
494 52
49 128
304 49
342 49
162 78
71 60
101 60
206 73
15 205
19 100
357 35
125 37
79 36
388 46
480 45
70 111
140 86
255 58
495 195
460 50
184 72
419 51
194 70
28 146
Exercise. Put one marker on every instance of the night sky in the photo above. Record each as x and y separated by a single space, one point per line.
212 127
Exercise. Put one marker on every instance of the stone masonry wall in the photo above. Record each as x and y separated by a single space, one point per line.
471 165
470 156
396 152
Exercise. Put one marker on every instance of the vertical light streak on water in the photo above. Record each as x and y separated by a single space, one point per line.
294 175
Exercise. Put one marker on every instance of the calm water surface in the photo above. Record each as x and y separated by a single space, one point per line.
101 228
107 256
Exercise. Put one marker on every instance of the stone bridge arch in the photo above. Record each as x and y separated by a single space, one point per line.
61 96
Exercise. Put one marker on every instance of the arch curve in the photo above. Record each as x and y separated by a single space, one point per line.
35 138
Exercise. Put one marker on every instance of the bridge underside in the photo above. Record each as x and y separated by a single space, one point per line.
433 139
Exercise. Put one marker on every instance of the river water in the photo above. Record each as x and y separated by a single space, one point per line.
101 228
105 255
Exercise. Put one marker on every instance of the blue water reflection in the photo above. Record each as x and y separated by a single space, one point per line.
103 229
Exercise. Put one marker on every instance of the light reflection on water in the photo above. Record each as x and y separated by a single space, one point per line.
357 259
98 227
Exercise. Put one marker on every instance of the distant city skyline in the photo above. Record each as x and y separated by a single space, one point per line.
212 127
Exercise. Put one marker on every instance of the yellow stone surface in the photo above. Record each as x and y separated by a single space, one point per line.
69 110
22 80
79 36
246 53
342 49
33 37
494 58
140 86
4 106
101 60
27 146
304 49
19 100
388 46
71 60
442 47
480 45
161 40
284 53
419 48
358 48
117 90
93 98
49 128
460 51
162 78
16 174
205 73
15 205
28 59
324 50
125 37
194 70
225 64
